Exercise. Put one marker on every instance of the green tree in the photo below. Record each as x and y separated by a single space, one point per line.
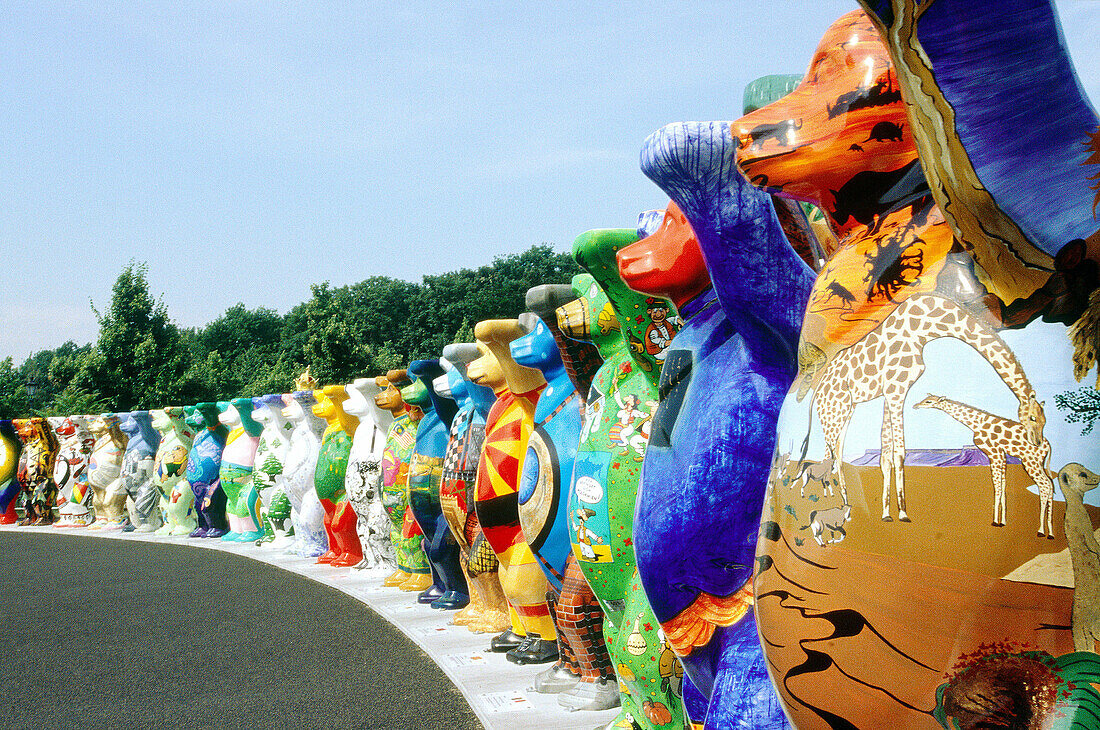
345 332
141 359
1082 406
12 395
75 400
465 332
65 363
138 359
495 291
232 356
272 466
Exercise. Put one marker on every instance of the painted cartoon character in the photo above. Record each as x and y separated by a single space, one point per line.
584 537
660 330
634 422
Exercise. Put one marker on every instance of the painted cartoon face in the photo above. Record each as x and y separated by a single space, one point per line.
658 313
668 262
844 119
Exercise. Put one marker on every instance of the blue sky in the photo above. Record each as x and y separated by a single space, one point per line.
248 149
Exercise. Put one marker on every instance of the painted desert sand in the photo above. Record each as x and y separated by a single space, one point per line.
863 631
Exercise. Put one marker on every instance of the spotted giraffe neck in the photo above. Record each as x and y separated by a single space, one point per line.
969 416
924 318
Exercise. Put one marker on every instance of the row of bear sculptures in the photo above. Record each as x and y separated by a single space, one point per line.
806 448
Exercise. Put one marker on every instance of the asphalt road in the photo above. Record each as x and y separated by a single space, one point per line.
125 634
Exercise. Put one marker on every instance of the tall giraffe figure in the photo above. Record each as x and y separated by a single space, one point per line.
999 438
887 362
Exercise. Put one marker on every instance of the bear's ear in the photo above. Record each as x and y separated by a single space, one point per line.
1064 478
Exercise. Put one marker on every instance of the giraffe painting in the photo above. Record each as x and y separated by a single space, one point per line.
886 363
998 438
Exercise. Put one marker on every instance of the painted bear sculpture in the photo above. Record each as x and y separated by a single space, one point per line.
413 573
508 429
71 471
607 468
11 446
721 389
105 466
892 585
307 514
40 446
142 496
363 480
583 676
487 610
177 501
242 500
547 471
340 521
449 590
268 474
204 470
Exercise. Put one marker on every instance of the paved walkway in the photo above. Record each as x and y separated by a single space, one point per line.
82 612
